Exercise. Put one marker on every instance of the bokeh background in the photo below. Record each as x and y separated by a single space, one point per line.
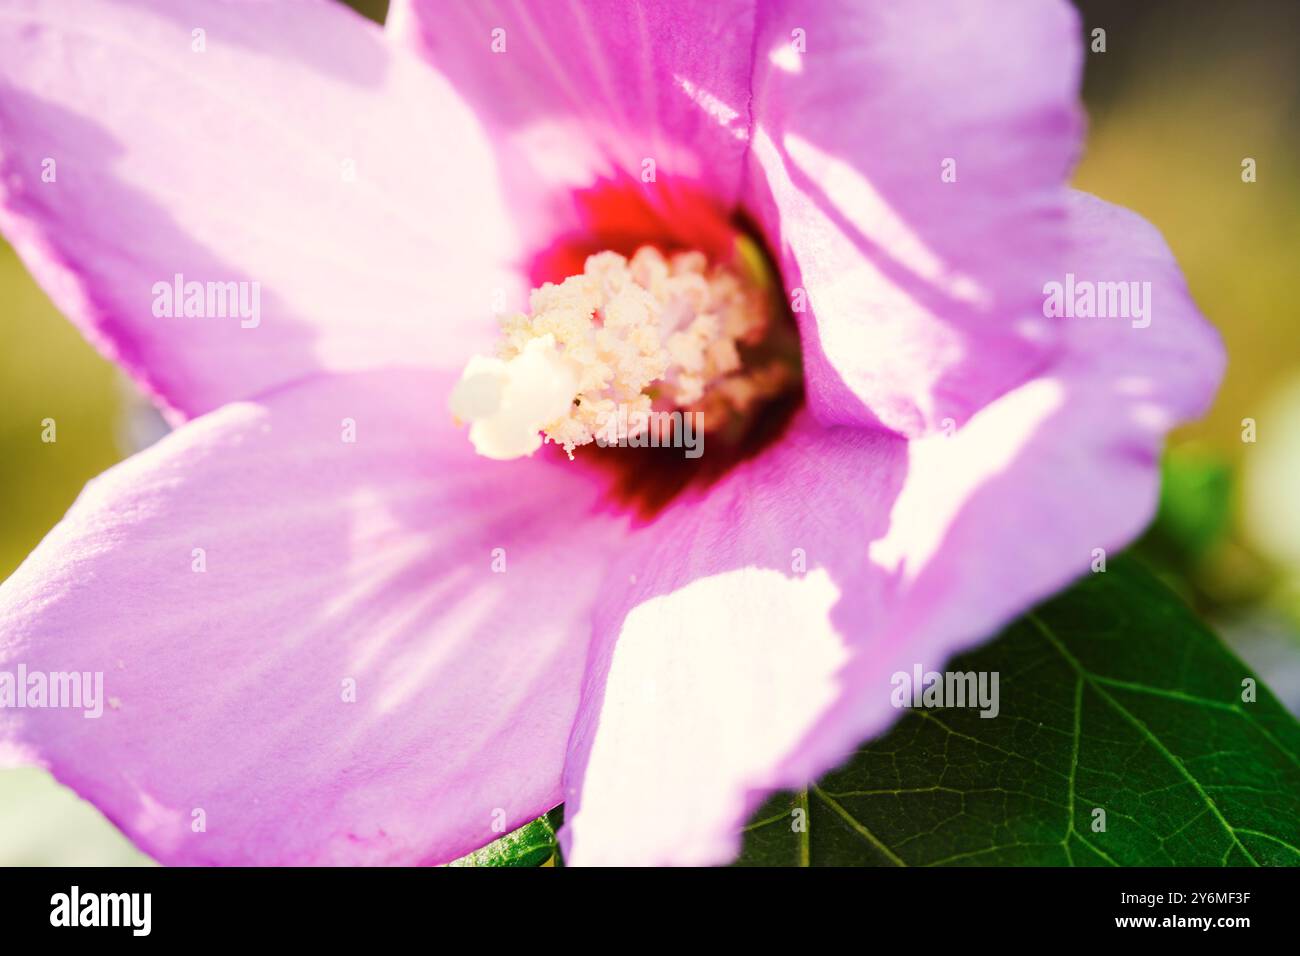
1185 90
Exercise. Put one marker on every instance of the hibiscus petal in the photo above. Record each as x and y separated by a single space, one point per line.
1087 473
582 91
326 562
714 654
923 297
296 150
726 672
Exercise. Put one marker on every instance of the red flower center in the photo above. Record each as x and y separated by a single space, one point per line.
658 348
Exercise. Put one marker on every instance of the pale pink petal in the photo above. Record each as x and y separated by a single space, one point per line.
297 150
922 296
652 96
726 672
455 592
1011 507
715 654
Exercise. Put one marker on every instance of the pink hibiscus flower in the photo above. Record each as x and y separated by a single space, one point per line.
331 630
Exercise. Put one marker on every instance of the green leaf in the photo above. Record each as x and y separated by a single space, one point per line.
533 844
1113 697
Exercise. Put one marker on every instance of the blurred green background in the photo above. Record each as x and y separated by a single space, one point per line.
1184 92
